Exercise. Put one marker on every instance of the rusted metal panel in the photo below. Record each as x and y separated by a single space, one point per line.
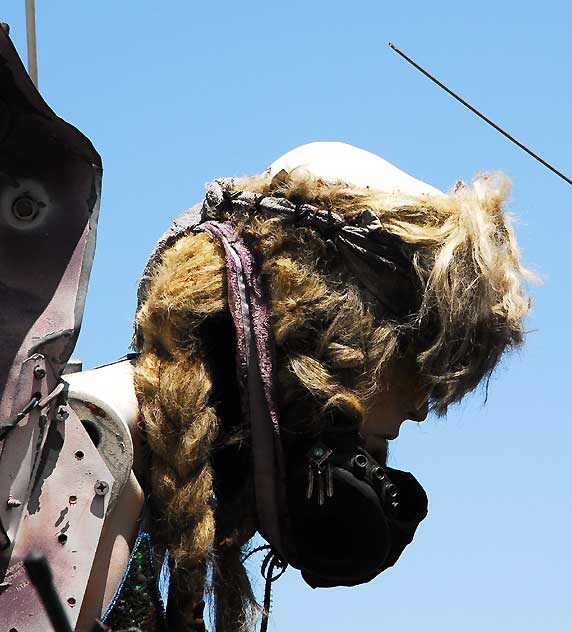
50 183
63 519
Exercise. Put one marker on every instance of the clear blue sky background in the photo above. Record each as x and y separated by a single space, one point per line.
176 93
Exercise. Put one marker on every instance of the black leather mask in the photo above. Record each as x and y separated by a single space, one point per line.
350 517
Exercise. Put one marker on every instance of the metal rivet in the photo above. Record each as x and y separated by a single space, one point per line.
391 490
62 414
62 538
39 373
25 209
73 500
13 502
71 601
379 473
101 488
360 460
79 455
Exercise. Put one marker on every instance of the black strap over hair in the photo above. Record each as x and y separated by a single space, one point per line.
379 259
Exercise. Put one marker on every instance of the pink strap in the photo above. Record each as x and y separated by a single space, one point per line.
255 368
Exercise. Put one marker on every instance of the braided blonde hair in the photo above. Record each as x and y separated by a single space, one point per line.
332 346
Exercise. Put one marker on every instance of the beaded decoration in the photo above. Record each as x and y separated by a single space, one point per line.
137 602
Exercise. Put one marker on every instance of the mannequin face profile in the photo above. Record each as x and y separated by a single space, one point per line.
401 397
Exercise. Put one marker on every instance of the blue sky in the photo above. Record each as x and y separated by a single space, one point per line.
176 93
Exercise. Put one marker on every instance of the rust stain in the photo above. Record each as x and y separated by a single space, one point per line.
96 410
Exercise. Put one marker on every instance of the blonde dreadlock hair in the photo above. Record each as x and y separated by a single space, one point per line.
333 344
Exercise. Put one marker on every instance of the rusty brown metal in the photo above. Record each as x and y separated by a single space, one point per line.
67 532
50 182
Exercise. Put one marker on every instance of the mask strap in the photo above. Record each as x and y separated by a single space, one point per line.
273 567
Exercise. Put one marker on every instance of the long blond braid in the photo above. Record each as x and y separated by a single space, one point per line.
173 385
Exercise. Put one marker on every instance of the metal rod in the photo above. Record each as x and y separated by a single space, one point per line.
31 35
482 116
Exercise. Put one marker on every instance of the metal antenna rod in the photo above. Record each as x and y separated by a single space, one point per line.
31 33
475 111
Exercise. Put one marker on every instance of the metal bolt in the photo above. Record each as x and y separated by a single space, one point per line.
391 489
13 502
379 473
62 414
101 488
39 373
25 209
360 461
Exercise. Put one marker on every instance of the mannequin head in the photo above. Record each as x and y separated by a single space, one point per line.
343 358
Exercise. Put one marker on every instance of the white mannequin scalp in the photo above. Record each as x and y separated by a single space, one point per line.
336 162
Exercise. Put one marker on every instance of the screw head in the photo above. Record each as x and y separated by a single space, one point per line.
25 209
13 502
62 414
101 488
379 473
39 372
360 461
391 490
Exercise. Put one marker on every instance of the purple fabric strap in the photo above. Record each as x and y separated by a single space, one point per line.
255 368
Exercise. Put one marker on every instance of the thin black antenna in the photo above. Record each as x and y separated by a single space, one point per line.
475 111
